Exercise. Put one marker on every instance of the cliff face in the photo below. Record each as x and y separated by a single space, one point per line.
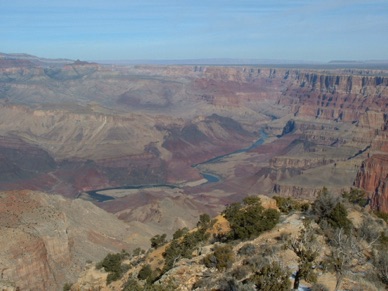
342 97
373 173
46 240
373 177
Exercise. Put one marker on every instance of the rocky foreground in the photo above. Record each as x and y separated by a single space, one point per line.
305 249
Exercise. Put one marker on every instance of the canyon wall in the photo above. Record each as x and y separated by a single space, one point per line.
46 240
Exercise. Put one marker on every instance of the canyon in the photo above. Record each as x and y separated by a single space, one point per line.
75 127
146 136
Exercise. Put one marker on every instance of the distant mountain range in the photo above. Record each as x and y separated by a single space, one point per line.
35 60
377 64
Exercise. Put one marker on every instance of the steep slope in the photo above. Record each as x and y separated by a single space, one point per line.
269 260
46 240
373 173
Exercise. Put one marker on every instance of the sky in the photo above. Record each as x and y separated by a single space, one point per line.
310 30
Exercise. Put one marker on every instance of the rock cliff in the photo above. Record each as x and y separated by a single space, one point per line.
373 177
46 240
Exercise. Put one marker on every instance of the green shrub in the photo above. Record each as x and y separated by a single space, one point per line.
180 232
256 262
184 247
369 230
287 204
382 215
324 204
356 196
132 285
305 207
112 264
145 272
380 261
204 221
338 217
247 250
222 258
241 272
112 277
158 240
329 210
229 284
67 287
249 219
272 277
137 252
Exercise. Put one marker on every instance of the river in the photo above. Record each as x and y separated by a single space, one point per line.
256 144
210 177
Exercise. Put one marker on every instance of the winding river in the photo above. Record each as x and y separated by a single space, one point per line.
211 178
256 144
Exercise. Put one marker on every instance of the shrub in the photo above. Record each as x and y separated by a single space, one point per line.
158 240
305 207
330 210
249 219
203 284
67 287
184 247
382 215
383 242
338 217
137 252
145 272
247 250
222 258
204 221
112 264
256 262
132 285
284 237
240 272
286 204
112 277
306 248
381 264
229 284
272 277
369 231
180 232
324 204
356 196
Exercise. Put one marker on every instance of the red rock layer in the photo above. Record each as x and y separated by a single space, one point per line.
373 177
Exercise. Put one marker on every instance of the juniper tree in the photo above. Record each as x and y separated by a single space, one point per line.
305 247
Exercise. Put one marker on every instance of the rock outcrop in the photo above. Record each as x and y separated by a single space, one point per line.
373 177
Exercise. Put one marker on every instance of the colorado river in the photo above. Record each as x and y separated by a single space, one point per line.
210 177
259 142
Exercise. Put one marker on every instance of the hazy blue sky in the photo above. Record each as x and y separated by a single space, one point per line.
156 29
